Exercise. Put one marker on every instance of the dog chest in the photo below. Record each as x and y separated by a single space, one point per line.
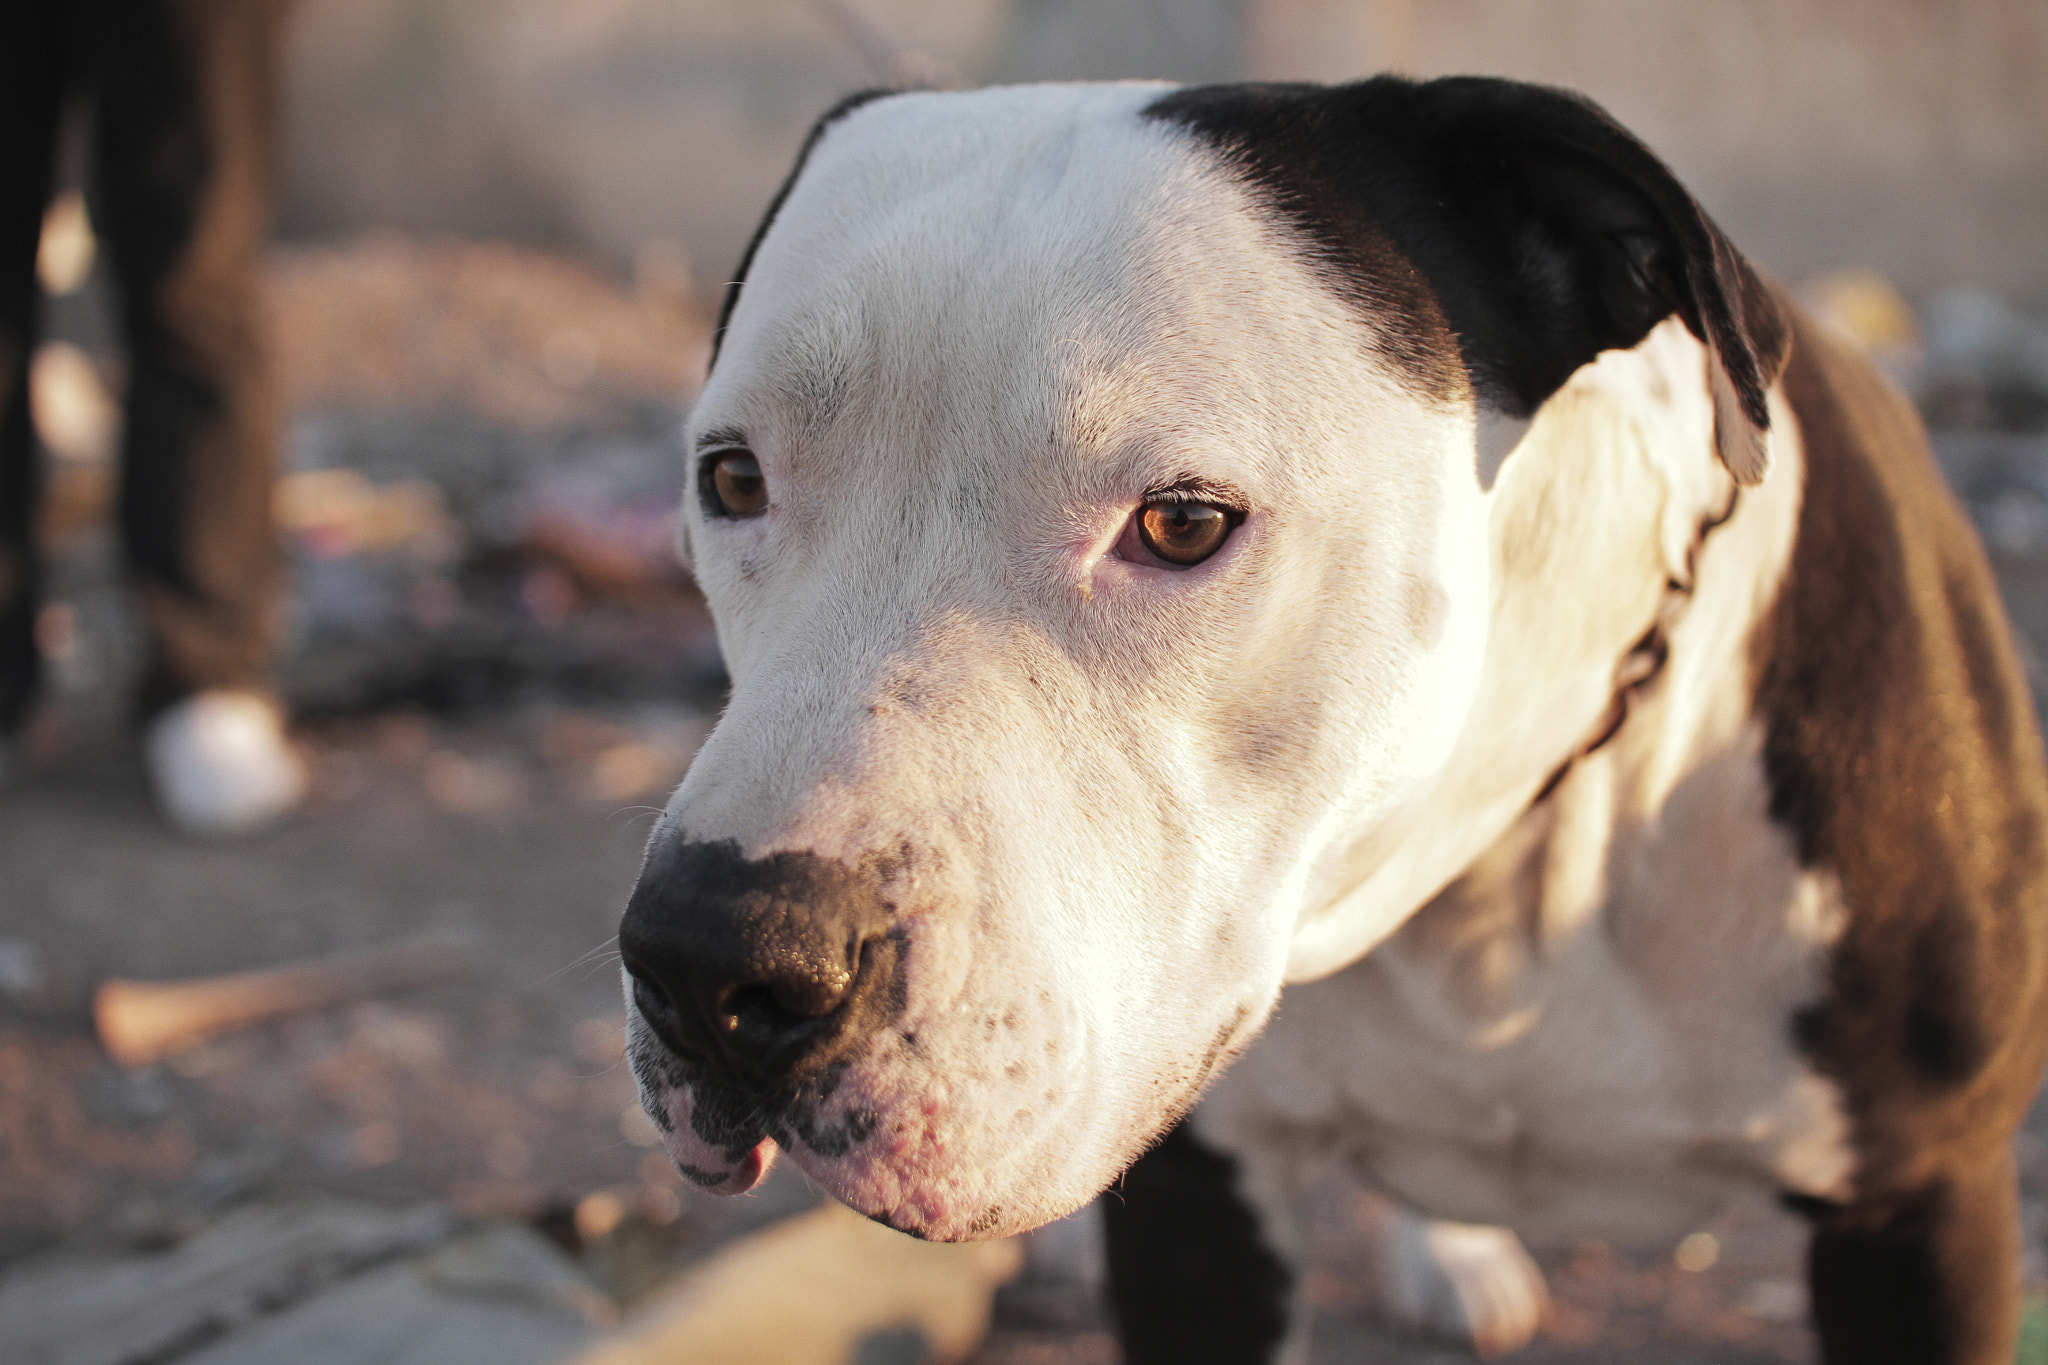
1590 1033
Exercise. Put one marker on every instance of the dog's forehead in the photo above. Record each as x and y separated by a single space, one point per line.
1043 259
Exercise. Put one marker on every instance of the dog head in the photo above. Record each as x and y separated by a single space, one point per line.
1102 495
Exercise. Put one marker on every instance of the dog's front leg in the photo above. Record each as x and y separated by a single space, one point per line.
1458 1282
1204 1258
1928 1276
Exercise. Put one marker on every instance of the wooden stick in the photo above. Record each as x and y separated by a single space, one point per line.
142 1021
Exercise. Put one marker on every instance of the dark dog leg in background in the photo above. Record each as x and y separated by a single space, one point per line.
1192 1279
1929 1277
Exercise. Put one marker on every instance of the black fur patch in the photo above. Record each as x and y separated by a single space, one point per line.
1491 232
1929 1276
1902 754
1191 1280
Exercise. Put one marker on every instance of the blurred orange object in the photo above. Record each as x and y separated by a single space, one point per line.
141 1022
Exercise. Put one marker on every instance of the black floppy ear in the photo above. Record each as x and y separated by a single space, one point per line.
1595 242
1546 233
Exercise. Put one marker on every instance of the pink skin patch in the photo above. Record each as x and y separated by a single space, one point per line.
706 1166
905 1176
898 1188
753 1168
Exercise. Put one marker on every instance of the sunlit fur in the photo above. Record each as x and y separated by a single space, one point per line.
1133 801
1585 1034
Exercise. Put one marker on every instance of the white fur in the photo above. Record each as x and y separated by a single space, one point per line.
982 327
961 364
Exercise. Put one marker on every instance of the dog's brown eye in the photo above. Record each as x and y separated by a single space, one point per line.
732 485
1185 533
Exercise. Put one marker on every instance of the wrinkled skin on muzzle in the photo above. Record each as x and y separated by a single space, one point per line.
1013 905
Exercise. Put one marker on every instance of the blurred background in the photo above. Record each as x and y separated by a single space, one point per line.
502 229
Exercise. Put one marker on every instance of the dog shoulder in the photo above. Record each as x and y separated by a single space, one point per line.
1903 755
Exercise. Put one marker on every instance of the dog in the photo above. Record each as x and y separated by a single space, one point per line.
1378 541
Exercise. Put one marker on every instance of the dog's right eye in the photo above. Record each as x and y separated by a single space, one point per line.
730 484
1185 533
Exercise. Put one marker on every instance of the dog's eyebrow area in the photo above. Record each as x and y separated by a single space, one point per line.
1195 488
720 437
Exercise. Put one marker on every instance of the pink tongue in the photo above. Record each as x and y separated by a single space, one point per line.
752 1168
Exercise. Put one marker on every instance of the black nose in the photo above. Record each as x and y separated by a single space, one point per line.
764 968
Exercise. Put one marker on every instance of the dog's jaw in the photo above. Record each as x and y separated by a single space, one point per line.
944 1153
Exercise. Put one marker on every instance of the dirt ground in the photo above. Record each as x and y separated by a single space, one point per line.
498 675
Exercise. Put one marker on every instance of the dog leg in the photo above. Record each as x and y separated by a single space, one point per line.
1929 1277
1201 1269
1453 1281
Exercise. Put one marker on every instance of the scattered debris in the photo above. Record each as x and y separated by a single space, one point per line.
538 565
1864 304
2002 477
1971 359
142 1021
611 545
482 483
336 513
1987 362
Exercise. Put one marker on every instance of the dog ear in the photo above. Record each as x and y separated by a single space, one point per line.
1596 242
1545 231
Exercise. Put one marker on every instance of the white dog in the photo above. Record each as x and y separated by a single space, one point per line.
1379 541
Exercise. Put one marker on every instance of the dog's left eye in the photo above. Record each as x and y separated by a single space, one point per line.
1178 534
731 485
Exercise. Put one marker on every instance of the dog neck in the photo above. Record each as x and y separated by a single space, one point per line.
1627 579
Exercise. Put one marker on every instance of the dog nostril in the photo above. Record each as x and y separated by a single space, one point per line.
762 1010
650 997
774 1007
654 1002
